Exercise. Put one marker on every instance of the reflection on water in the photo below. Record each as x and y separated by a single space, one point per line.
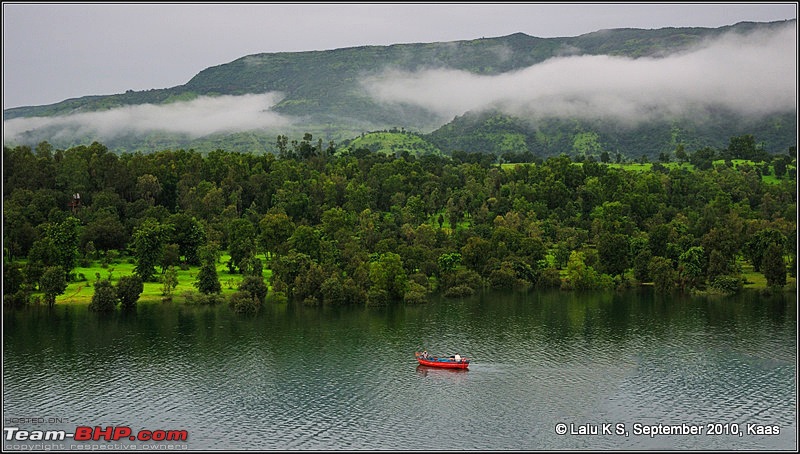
440 373
296 377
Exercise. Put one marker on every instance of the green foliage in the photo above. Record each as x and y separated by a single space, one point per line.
148 241
129 288
243 302
104 298
415 294
52 283
241 242
641 265
774 266
663 275
581 276
692 267
449 262
207 280
727 284
612 249
169 280
462 282
189 234
255 287
391 143
388 276
755 249
61 242
360 227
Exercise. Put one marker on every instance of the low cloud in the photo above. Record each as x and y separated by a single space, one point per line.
196 118
753 74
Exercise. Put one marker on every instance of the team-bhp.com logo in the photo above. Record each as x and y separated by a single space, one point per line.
96 433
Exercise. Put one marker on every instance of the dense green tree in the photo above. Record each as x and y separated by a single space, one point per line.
333 217
475 253
641 264
388 275
243 302
241 242
255 287
105 231
275 230
53 283
613 250
449 262
43 252
662 273
65 240
148 241
692 267
189 234
169 280
306 240
755 248
742 147
581 276
774 266
129 289
207 281
104 298
680 153
170 256
703 159
148 187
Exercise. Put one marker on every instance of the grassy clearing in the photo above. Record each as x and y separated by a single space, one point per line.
647 166
81 292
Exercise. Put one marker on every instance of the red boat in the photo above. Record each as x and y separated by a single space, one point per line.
447 362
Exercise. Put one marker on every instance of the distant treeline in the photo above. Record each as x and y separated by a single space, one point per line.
357 227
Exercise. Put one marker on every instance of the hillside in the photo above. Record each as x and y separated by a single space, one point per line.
324 93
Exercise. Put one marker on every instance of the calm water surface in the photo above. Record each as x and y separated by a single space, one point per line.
299 378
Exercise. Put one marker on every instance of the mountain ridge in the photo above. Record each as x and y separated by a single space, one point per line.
322 91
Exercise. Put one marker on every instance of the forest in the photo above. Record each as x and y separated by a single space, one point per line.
327 226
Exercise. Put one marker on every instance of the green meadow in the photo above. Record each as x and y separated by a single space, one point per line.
767 177
80 291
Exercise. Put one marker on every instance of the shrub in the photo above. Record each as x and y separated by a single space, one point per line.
243 302
20 298
207 280
129 288
459 291
416 294
726 284
104 298
255 287
191 297
549 278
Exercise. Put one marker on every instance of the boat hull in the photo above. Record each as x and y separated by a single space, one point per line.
445 363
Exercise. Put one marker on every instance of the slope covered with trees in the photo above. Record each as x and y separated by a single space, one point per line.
356 227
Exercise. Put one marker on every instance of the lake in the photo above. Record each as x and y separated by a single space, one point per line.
552 370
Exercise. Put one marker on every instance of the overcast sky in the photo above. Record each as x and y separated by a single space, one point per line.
57 51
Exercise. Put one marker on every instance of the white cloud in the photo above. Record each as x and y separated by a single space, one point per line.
751 74
196 118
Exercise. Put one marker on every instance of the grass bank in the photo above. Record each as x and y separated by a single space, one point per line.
81 291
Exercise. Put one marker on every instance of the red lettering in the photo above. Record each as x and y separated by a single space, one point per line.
106 433
83 433
121 432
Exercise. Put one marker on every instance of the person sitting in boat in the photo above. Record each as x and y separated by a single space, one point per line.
425 354
457 358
